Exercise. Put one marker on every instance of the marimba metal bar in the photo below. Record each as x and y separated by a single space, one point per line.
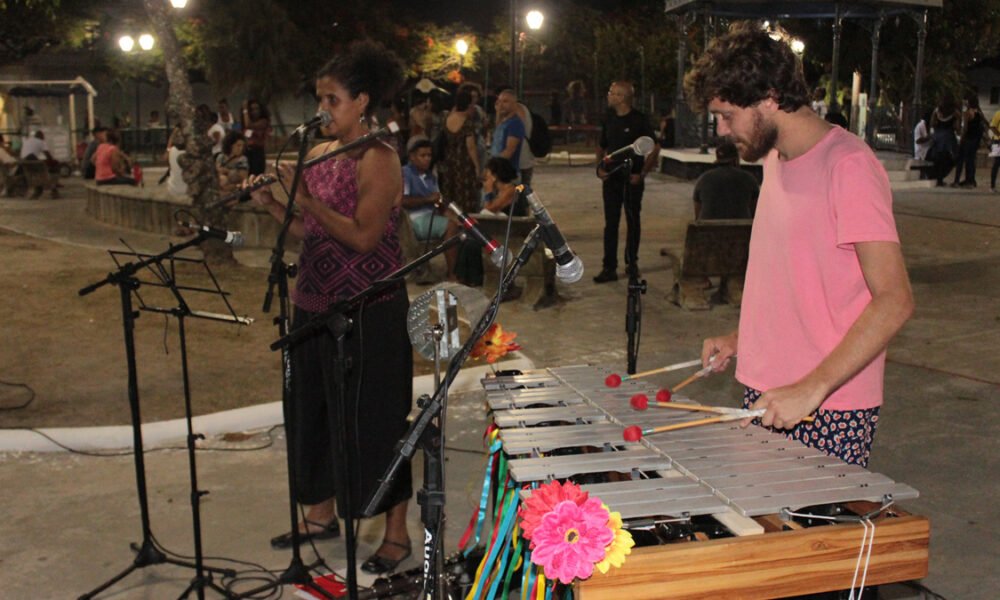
753 471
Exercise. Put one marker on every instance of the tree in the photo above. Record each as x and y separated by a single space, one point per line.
199 171
30 26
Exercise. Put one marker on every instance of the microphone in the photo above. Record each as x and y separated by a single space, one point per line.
569 267
233 238
497 252
322 119
640 147
381 132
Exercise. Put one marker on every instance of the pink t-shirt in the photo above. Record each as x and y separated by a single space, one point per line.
804 286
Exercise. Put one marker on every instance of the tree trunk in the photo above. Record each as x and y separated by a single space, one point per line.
199 169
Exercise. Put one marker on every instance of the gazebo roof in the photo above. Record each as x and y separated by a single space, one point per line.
754 9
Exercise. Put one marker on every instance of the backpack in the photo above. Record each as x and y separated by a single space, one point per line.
539 141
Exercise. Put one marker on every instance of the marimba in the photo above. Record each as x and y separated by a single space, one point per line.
726 506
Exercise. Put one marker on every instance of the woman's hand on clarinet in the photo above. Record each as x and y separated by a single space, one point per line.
261 196
286 173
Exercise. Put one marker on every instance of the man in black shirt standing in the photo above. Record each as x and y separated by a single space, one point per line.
622 126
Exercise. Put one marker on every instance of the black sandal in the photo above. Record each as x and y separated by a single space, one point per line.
377 565
328 531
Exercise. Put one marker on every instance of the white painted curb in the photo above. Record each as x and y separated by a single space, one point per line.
166 433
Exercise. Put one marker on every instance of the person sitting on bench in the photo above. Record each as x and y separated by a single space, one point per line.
35 148
112 166
421 197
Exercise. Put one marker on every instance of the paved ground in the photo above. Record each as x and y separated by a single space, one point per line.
70 517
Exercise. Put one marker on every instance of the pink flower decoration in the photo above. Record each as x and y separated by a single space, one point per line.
571 538
544 499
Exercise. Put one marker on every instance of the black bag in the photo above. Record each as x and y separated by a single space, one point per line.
539 141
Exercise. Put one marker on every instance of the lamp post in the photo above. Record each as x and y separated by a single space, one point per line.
128 44
178 3
534 20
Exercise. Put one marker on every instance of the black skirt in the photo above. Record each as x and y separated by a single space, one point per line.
378 393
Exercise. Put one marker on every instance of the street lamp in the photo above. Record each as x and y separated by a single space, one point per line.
178 3
462 47
534 20
798 46
127 43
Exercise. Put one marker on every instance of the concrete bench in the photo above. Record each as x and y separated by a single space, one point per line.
712 248
152 209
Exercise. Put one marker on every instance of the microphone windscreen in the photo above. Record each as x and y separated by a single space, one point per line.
644 145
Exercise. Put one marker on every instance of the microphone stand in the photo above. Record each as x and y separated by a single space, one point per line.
427 435
336 321
297 571
636 287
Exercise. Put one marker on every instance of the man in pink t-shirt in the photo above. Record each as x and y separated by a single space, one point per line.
826 288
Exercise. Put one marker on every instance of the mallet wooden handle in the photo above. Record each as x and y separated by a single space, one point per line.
675 367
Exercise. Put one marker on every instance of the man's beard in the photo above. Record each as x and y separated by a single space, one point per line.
762 140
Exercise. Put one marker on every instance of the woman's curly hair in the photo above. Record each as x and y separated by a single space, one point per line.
367 67
746 66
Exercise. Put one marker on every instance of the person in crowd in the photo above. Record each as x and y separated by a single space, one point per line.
555 109
111 165
945 121
974 126
835 117
922 137
6 152
526 162
623 125
231 164
176 186
818 103
216 132
500 184
100 136
154 120
666 133
35 148
479 120
256 126
727 191
421 117
421 196
826 285
575 110
994 149
226 118
509 136
350 210
460 181
8 166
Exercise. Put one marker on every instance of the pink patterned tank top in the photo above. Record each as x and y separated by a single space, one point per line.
329 270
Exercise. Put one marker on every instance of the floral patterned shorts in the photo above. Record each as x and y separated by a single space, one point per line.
846 434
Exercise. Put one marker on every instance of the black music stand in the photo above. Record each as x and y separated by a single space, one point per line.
128 280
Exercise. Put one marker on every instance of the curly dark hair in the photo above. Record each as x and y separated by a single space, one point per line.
230 140
746 66
502 168
366 68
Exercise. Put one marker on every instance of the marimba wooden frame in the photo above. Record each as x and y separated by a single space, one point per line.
787 560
